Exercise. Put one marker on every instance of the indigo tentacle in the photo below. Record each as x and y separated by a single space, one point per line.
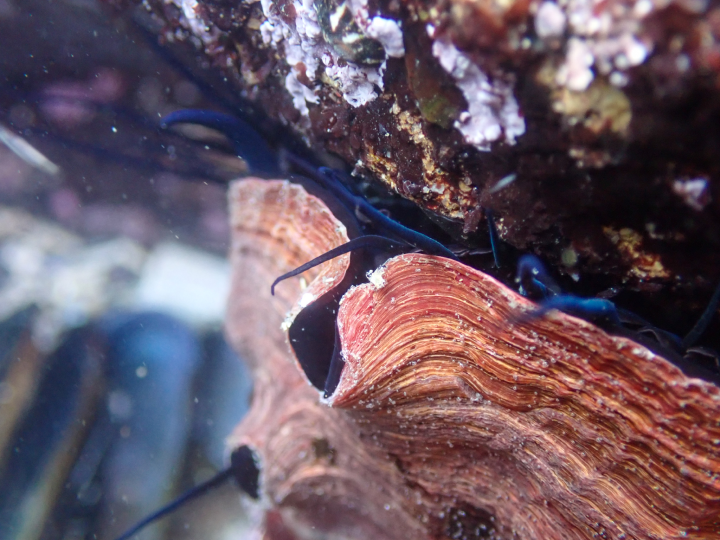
534 280
189 495
494 241
369 240
380 220
247 142
243 469
536 283
595 309
703 321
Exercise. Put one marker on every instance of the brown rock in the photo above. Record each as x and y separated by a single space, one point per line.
602 110
605 112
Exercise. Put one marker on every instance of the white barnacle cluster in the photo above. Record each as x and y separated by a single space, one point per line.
603 37
301 39
493 112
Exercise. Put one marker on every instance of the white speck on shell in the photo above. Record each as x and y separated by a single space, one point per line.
376 277
306 299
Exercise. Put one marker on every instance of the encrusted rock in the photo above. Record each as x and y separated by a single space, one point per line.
605 111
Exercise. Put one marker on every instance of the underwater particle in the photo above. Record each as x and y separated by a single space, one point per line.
569 257
27 152
504 182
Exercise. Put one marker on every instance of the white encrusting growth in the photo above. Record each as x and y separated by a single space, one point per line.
604 39
194 22
576 73
389 34
357 82
550 21
305 49
493 113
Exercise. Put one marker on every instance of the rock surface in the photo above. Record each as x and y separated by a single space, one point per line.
606 112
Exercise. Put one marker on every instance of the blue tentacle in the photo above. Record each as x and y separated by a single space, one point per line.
534 279
333 184
594 309
357 243
189 495
494 241
247 142
703 321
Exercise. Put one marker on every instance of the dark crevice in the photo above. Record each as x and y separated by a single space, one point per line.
246 471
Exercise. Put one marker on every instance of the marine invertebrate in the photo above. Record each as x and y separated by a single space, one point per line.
537 378
557 427
422 371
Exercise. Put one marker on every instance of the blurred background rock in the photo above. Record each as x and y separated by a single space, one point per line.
117 388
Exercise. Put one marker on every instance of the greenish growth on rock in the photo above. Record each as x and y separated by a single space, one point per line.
436 95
